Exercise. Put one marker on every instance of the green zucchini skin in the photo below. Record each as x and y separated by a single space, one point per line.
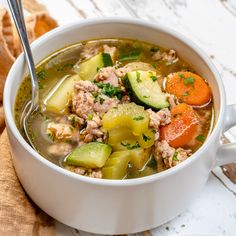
145 90
89 68
90 155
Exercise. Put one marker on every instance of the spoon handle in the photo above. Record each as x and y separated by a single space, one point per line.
18 17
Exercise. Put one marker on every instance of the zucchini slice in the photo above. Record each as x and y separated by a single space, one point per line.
139 157
89 68
58 99
91 155
145 89
129 115
147 138
116 165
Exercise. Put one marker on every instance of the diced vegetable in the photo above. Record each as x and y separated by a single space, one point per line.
124 145
128 115
139 157
135 173
133 66
91 155
116 165
147 138
89 68
183 126
119 134
189 87
145 89
58 99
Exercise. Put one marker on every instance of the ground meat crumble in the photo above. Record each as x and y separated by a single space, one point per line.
170 156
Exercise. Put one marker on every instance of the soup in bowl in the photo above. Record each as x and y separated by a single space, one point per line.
117 109
130 117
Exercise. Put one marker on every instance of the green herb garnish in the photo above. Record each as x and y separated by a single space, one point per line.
41 75
138 77
154 78
146 138
177 114
201 138
41 86
154 49
175 158
73 121
154 65
138 118
132 56
185 93
181 76
189 80
101 100
109 90
130 146
63 67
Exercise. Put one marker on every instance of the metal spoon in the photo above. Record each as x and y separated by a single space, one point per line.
32 105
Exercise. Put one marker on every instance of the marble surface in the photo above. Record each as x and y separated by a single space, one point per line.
212 25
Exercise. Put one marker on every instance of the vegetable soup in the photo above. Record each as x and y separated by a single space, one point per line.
117 109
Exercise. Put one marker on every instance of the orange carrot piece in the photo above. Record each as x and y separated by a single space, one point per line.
189 88
183 126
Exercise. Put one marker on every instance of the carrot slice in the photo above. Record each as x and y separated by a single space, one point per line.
183 126
189 88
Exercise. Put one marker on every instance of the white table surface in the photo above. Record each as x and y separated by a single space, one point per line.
212 25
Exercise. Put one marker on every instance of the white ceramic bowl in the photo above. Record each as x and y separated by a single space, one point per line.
117 206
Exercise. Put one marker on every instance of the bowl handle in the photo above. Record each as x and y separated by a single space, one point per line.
227 152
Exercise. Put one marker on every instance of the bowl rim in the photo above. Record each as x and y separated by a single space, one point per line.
107 182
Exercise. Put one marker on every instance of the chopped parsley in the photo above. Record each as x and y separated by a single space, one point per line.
189 80
73 121
201 138
130 146
177 114
41 75
41 86
154 78
146 138
154 65
101 100
138 118
132 56
181 76
154 49
175 156
185 93
109 90
138 77
63 67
